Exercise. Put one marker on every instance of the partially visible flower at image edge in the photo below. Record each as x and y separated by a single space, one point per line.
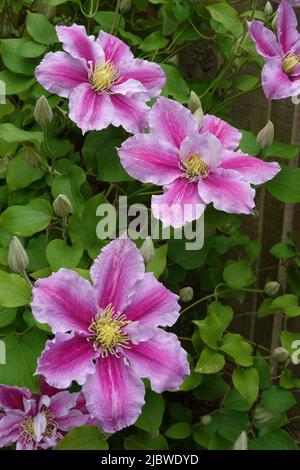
107 336
281 72
103 81
196 165
37 421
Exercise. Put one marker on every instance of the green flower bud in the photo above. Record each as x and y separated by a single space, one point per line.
32 157
262 415
280 354
268 9
265 137
274 23
194 102
186 294
242 442
147 250
17 257
206 420
43 113
62 206
272 288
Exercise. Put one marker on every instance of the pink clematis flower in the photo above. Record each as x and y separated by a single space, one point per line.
196 166
37 422
105 84
281 72
107 336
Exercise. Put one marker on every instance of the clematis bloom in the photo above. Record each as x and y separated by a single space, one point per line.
105 84
107 335
37 422
196 165
281 72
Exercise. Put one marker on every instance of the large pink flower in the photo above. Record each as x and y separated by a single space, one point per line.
107 336
196 166
281 72
37 422
105 84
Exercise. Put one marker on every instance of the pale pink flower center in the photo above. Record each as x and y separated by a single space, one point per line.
104 76
27 431
290 62
195 166
107 332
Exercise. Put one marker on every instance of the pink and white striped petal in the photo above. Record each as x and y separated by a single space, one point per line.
115 50
207 146
76 42
288 35
277 84
130 112
228 135
12 398
251 169
150 74
264 39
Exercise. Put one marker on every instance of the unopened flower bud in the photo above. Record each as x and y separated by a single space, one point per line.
125 6
43 113
280 354
268 9
242 442
186 294
295 99
255 213
194 102
32 157
274 23
199 115
265 137
262 415
272 288
62 206
206 420
17 257
147 250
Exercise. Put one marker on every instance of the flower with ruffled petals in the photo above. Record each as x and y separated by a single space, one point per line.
107 335
105 84
281 72
36 422
195 165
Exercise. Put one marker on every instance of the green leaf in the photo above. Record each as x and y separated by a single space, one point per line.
15 83
154 41
283 250
69 183
246 82
285 186
281 150
277 400
20 174
40 28
14 291
22 353
264 373
275 440
235 401
227 16
210 362
83 438
288 303
179 431
176 86
191 382
61 255
32 49
249 143
152 413
107 19
144 441
7 316
213 326
26 220
13 59
246 381
11 134
159 261
229 423
238 274
238 349
287 339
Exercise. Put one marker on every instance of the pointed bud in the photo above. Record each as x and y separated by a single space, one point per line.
17 257
272 288
62 206
255 213
274 23
32 157
186 294
206 420
147 250
265 137
199 115
268 9
280 354
43 113
262 415
194 102
125 6
242 442
295 99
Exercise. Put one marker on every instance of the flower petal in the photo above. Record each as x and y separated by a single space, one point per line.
148 160
65 301
76 42
90 110
287 27
114 394
115 50
150 74
227 192
62 402
264 39
161 359
251 169
206 145
67 358
9 428
276 83
60 73
130 112
73 419
46 389
179 204
12 398
128 88
115 273
153 304
171 121
228 135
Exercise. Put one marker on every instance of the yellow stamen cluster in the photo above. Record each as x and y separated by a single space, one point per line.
290 62
107 332
27 431
104 76
195 166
